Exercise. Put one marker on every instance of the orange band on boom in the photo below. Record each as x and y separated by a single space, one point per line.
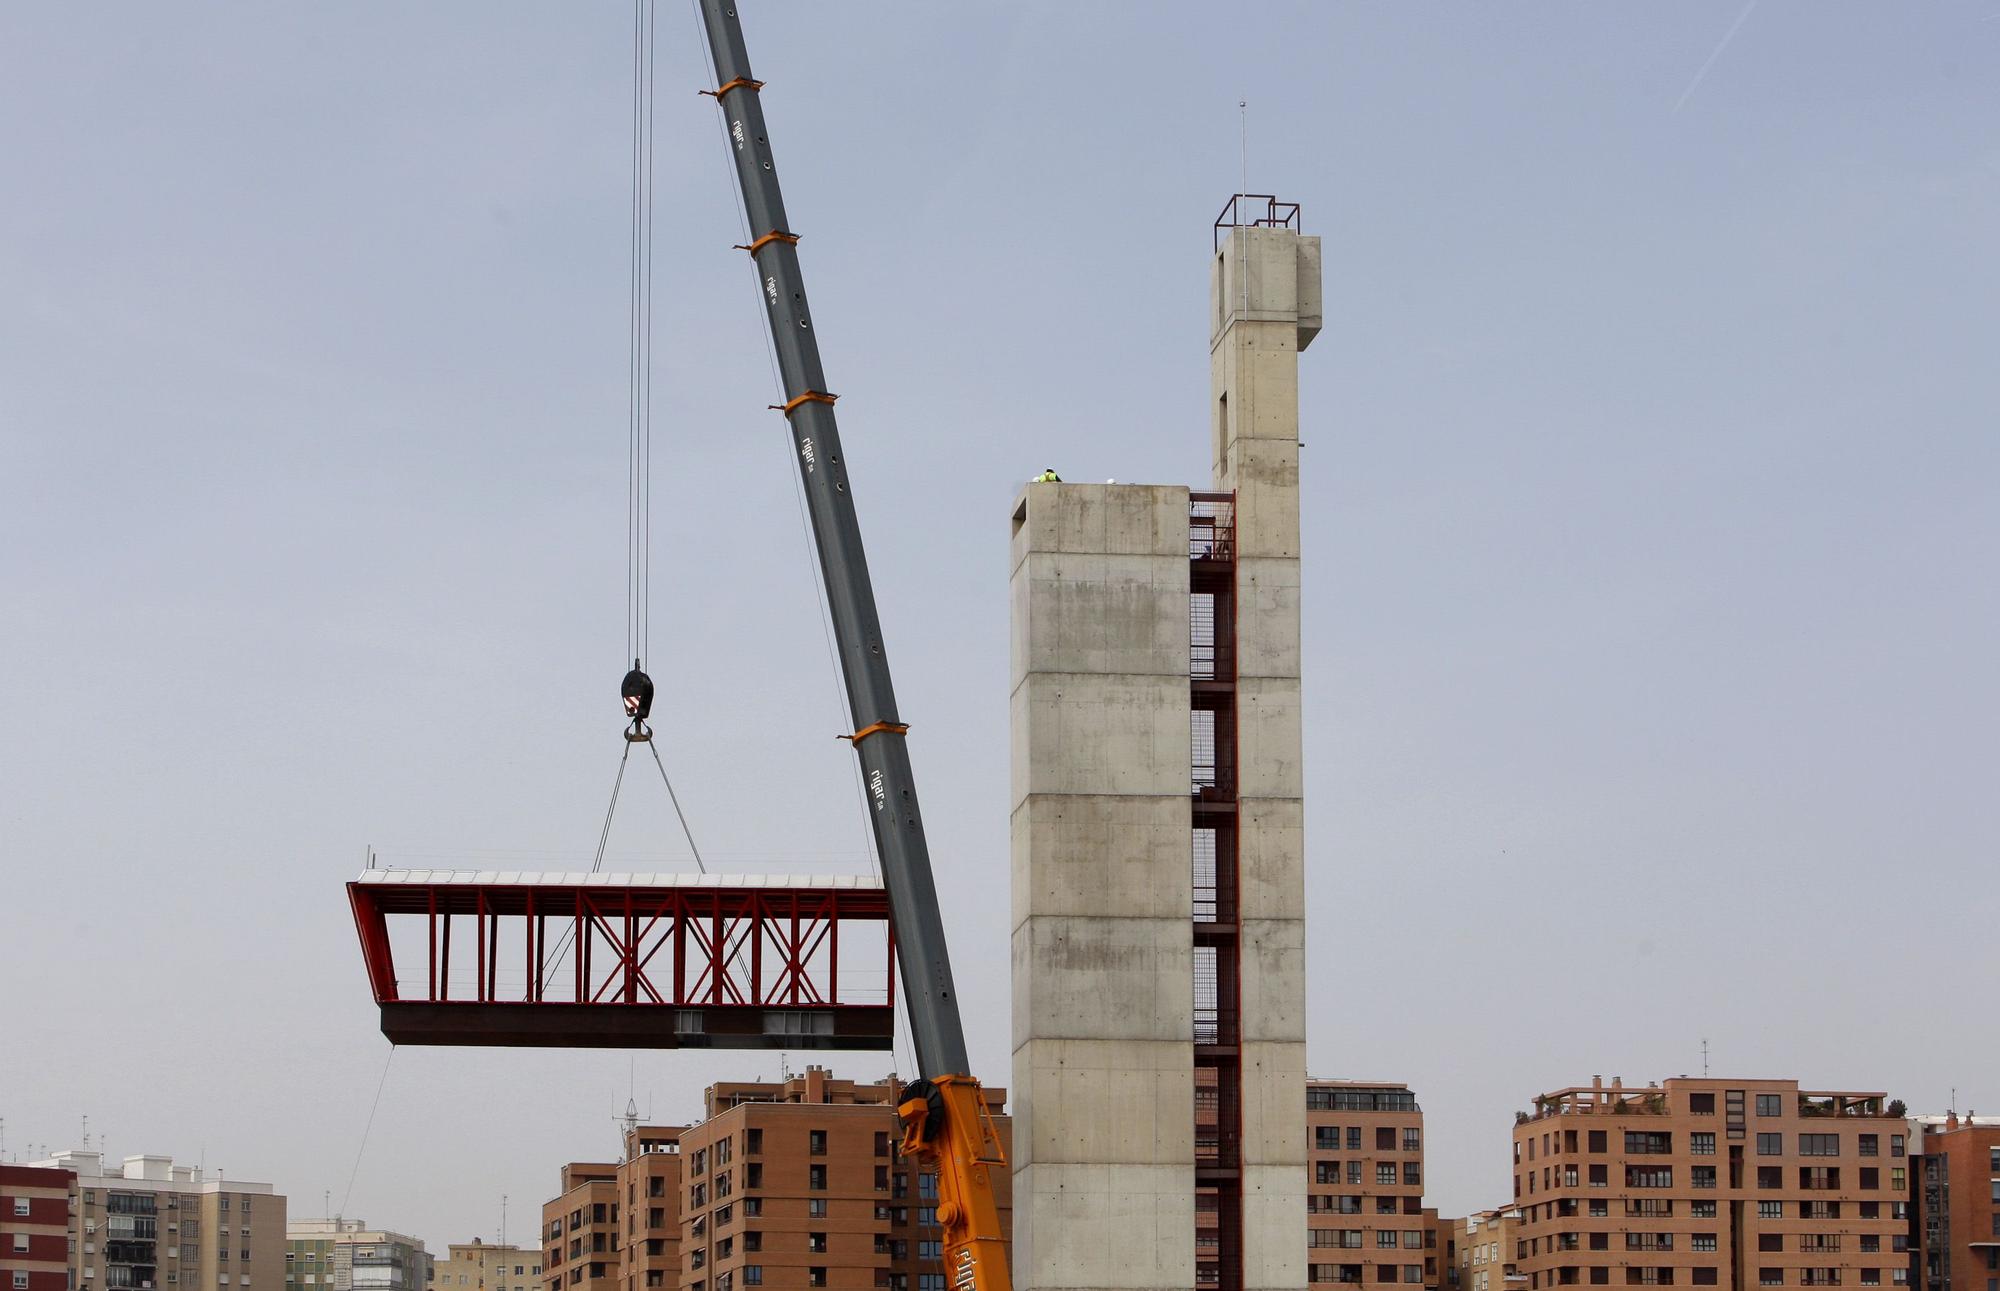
810 396
897 728
740 83
767 239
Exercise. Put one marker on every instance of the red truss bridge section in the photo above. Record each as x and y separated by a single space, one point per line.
628 961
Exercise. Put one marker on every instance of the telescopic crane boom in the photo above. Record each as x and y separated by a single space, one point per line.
944 1117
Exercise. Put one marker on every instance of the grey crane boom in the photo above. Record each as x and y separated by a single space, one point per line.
930 998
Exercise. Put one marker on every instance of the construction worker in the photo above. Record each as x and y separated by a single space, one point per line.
1048 476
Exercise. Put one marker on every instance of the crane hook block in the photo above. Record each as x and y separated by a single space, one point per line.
638 692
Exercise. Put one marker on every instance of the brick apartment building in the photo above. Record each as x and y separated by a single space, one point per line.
797 1184
1721 1183
1365 1214
616 1227
787 1184
1482 1254
35 1208
580 1230
1955 1222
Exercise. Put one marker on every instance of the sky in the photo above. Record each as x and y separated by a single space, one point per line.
1651 500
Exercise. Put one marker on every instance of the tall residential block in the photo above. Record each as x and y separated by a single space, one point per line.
480 1265
35 1208
581 1230
1955 1181
352 1255
1365 1214
798 1183
1722 1183
1158 863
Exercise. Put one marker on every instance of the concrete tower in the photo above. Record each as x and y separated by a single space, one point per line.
1158 888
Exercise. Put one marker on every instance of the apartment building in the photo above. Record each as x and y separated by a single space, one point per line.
1955 1224
1482 1255
1365 1214
797 1183
148 1223
1719 1183
479 1265
35 1209
580 1230
651 1180
349 1255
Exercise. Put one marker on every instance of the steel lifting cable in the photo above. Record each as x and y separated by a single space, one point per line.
639 356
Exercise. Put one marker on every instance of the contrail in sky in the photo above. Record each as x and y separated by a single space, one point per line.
1695 84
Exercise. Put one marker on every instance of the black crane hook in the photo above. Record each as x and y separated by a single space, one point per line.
637 689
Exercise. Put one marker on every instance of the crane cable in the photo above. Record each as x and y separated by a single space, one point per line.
639 356
638 687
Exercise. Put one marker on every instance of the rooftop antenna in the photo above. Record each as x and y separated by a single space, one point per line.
503 1219
86 1132
1704 1057
326 1202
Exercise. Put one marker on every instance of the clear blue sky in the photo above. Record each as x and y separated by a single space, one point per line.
1650 478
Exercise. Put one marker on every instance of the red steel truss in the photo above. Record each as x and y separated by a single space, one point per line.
655 961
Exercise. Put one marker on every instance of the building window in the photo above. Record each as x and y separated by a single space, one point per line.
1326 1138
1770 1176
1819 1145
1649 1176
1895 1145
1385 1174
816 1142
1869 1145
1701 1104
1413 1139
816 1243
1702 1144
753 1275
816 1208
1702 1176
1770 1145
20 1207
816 1276
1354 1138
1770 1105
1413 1174
1897 1180
1702 1209
1769 1277
816 1178
1770 1210
1871 1178
20 1281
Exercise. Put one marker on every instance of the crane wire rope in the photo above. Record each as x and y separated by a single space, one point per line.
362 1147
639 432
639 357
905 1043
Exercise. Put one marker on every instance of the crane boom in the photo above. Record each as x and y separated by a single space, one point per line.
944 1115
